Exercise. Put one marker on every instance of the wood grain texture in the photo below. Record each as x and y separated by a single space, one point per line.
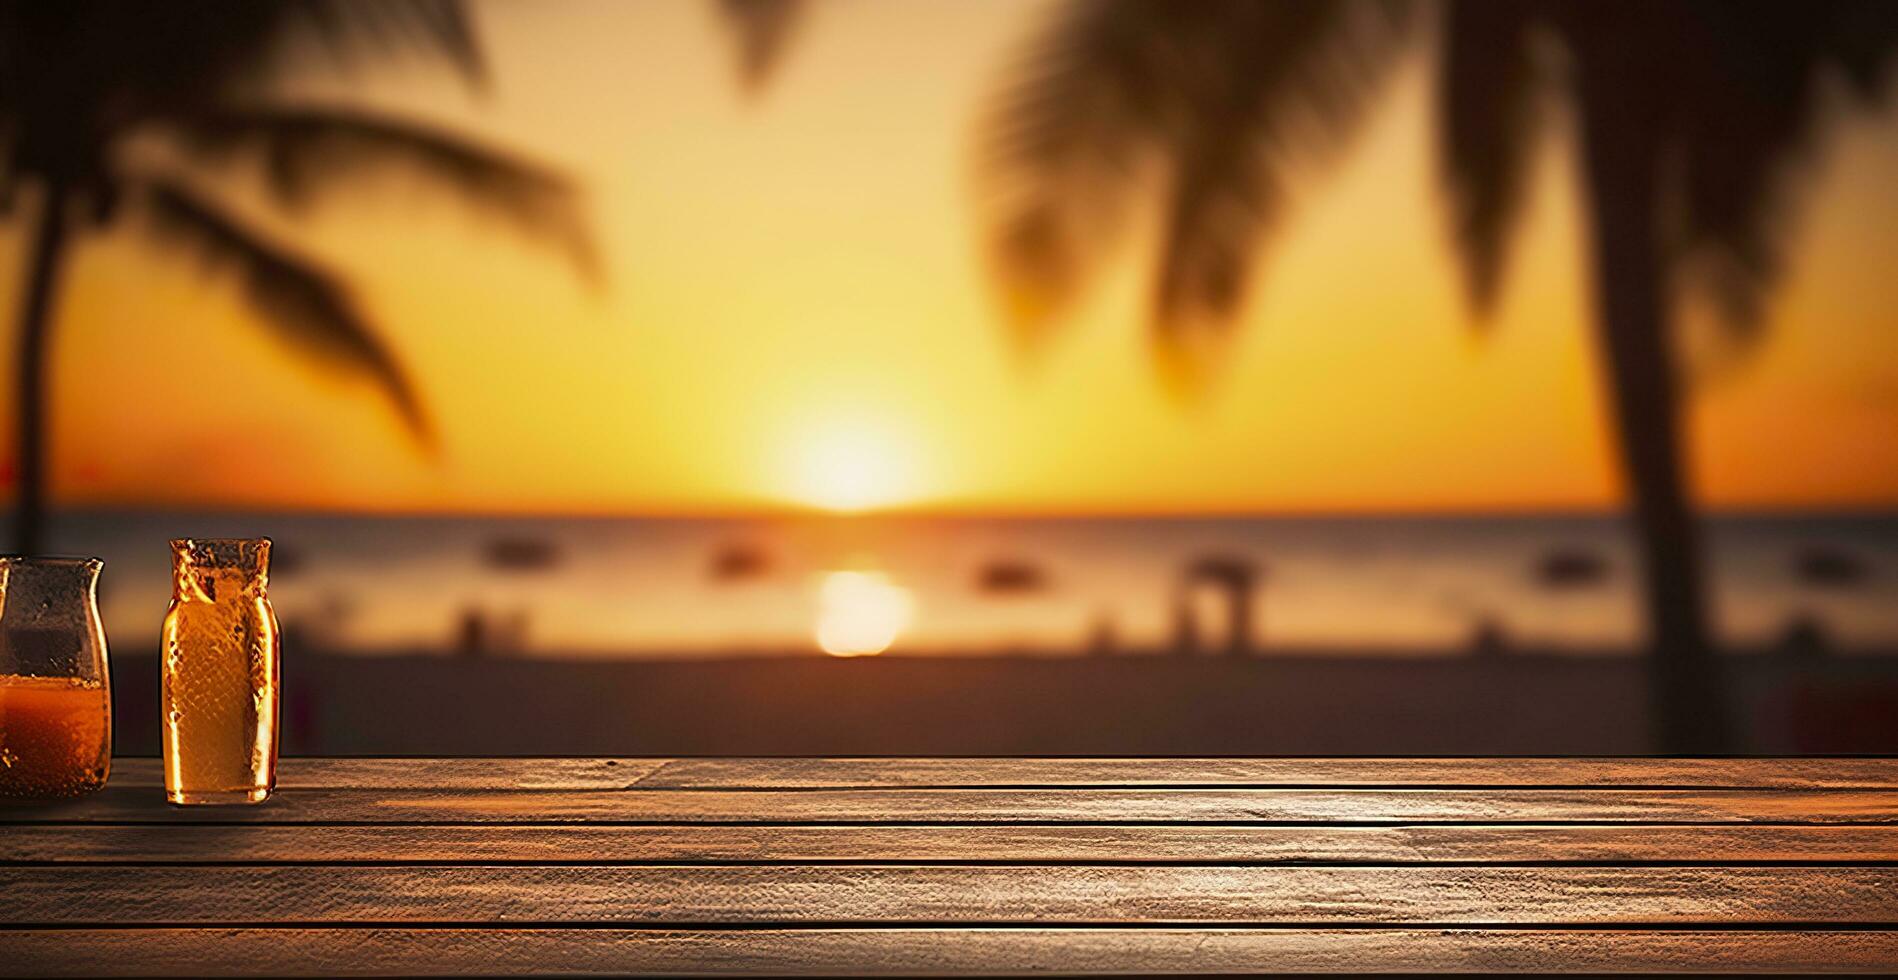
125 804
383 773
963 895
785 773
1491 772
930 952
1206 844
967 866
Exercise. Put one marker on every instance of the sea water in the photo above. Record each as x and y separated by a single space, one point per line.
641 587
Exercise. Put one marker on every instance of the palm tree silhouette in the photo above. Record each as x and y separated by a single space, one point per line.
1693 116
116 110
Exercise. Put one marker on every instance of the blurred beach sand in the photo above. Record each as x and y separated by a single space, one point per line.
1516 704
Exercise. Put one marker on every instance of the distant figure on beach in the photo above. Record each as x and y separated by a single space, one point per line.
1489 637
1232 578
1805 637
1103 637
481 633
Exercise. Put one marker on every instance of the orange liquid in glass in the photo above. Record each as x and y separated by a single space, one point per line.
55 736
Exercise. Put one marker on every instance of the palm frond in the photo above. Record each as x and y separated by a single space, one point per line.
347 30
1229 96
1224 200
308 149
1060 150
308 307
78 76
1861 38
9 182
1291 89
1489 120
1749 97
762 30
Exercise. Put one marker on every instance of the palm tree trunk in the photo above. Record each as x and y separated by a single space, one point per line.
43 261
1687 700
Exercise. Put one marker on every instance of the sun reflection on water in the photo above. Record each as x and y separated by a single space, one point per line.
860 614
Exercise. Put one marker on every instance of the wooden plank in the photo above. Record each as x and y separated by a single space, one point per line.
383 773
1110 894
1837 773
931 952
117 804
783 773
1209 844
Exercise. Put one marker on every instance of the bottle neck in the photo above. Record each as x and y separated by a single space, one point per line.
219 569
217 585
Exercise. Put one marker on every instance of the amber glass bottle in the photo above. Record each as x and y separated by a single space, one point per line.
220 673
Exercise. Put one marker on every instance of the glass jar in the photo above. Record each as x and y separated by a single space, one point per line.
55 692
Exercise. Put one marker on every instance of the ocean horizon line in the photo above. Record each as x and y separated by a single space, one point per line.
1868 512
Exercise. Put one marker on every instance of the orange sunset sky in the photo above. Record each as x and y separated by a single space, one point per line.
795 312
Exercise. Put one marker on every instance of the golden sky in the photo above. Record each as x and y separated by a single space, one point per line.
795 313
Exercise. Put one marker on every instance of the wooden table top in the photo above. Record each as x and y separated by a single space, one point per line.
967 866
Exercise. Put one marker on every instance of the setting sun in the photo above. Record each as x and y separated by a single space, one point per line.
796 309
860 613
851 464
